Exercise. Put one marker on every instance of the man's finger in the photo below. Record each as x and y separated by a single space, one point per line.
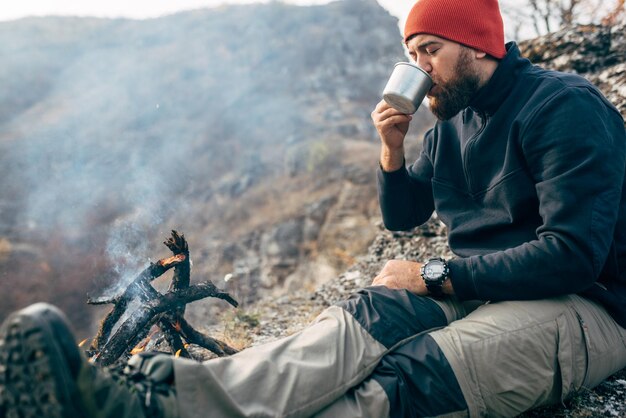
391 112
394 120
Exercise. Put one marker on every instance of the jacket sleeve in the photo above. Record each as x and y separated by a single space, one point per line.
405 195
575 150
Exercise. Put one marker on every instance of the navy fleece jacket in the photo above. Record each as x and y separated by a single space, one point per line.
529 181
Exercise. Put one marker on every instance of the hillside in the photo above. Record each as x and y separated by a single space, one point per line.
245 127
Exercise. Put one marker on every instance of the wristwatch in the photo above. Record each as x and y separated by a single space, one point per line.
435 272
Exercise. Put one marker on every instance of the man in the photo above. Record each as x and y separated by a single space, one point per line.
525 167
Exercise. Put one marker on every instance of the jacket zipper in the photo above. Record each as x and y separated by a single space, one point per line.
466 153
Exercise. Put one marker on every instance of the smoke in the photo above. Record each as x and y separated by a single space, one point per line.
130 129
128 243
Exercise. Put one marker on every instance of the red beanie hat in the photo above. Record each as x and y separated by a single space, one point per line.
474 23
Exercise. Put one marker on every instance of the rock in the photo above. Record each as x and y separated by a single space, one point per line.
596 52
315 217
580 49
281 251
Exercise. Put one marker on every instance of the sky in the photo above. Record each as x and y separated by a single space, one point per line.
142 9
146 9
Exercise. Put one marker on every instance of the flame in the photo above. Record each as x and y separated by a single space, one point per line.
176 259
140 347
185 345
137 350
178 353
80 344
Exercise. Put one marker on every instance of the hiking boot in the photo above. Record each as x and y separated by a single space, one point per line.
43 373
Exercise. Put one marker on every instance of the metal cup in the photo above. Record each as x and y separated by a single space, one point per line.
407 87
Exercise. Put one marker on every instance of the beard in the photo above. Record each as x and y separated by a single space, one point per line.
456 93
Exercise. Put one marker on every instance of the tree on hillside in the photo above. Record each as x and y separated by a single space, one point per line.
549 15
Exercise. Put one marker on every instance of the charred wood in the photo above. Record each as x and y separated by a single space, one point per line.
166 311
146 315
195 337
140 287
170 326
182 272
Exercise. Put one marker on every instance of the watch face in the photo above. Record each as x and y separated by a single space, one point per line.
433 270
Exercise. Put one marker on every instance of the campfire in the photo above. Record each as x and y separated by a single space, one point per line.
165 311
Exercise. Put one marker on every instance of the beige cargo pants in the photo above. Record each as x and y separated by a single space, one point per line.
507 357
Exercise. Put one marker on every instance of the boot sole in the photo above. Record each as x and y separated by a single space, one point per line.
37 353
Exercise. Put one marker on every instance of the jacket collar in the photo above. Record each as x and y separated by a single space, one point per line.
489 98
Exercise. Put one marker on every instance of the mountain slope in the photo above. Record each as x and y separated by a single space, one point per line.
235 125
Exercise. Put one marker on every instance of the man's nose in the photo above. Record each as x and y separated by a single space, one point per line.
424 63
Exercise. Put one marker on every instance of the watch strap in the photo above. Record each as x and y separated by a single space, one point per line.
435 290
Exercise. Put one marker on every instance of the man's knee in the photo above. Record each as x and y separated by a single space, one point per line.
392 315
419 381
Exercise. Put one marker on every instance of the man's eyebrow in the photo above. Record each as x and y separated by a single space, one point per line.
427 44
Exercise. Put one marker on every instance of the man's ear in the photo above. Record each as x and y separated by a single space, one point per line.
479 54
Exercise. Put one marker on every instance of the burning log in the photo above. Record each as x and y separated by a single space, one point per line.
165 310
182 271
138 287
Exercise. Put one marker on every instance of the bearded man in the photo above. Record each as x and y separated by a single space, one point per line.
525 167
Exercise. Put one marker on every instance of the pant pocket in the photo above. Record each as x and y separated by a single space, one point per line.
571 354
604 342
